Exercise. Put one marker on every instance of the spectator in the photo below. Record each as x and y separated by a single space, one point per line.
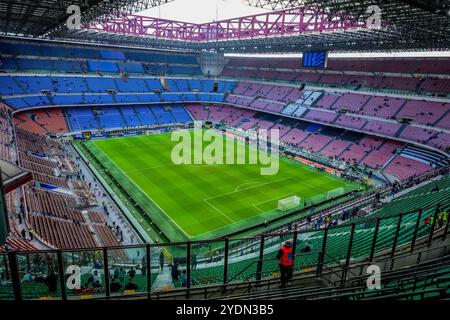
193 261
184 279
121 275
131 273
27 277
2 279
442 218
52 282
286 262
116 273
97 279
115 286
31 233
161 260
144 268
428 221
98 265
174 271
131 286
307 248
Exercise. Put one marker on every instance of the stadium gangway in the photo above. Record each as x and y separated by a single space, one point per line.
15 261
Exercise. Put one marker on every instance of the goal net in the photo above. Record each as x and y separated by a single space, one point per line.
335 193
288 203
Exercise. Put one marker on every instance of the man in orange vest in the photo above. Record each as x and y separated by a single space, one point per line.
286 262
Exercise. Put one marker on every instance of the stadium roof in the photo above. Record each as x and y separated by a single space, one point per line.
407 25
13 176
203 11
31 17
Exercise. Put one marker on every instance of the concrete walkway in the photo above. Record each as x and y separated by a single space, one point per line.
129 237
163 280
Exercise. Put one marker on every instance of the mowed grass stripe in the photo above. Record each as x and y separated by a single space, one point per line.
139 194
202 198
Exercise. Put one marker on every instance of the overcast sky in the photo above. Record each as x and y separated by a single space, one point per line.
201 11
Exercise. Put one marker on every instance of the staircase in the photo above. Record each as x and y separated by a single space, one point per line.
399 132
163 281
399 109
123 116
138 116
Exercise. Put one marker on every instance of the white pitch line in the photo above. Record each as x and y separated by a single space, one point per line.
146 144
147 195
237 222
255 206
218 210
237 188
263 184
150 168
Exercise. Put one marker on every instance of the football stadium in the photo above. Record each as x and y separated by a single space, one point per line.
224 150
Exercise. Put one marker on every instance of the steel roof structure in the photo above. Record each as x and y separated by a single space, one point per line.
295 26
36 18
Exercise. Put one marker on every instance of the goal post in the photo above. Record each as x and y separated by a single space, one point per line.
289 203
335 193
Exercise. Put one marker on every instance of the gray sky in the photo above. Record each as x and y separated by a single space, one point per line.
202 11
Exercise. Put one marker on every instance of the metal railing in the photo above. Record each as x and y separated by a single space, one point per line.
46 274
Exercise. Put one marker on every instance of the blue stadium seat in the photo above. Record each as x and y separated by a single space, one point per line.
34 84
37 100
84 53
53 51
103 66
70 66
170 97
69 84
145 115
149 97
9 64
126 98
180 85
153 84
130 67
33 64
195 85
207 86
81 118
109 117
217 97
68 99
100 84
226 86
112 55
131 85
99 99
9 86
16 103
161 115
130 116
189 97
184 70
180 114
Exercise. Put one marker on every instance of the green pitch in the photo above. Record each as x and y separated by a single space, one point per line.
205 201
